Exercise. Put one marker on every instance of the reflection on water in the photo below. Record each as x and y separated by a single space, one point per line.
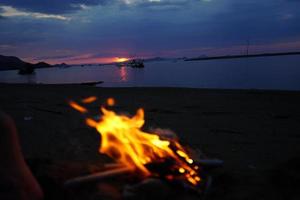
123 73
281 72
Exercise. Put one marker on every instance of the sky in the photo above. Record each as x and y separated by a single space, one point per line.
99 31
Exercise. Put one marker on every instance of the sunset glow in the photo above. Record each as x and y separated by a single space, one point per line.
117 59
81 59
74 31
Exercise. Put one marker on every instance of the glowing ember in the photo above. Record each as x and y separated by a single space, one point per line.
89 99
78 107
110 102
123 140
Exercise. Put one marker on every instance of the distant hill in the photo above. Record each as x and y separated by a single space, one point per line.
41 65
10 62
13 63
155 59
243 56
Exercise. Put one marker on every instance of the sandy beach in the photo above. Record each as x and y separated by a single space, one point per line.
256 133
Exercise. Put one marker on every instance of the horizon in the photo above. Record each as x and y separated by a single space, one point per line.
100 31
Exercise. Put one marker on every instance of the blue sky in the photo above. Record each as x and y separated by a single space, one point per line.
80 31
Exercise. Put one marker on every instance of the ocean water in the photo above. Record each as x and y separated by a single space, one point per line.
280 72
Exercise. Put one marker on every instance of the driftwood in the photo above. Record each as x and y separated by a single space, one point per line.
115 169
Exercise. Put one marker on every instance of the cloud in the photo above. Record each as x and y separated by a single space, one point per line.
8 11
161 2
157 4
52 6
54 57
6 46
59 7
165 27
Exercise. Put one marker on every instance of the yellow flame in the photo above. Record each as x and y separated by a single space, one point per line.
181 170
123 139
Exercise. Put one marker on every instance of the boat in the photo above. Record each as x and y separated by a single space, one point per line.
136 63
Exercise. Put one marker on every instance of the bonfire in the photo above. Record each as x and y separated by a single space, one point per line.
145 154
123 139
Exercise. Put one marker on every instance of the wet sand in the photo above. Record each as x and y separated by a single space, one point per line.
256 133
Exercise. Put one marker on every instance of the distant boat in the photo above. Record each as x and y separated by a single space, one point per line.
136 63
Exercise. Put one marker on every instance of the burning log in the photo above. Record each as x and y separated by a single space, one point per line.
157 155
98 176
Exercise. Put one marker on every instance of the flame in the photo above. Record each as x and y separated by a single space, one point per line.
78 107
123 139
89 99
110 101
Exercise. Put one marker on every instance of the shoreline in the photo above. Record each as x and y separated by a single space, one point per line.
242 56
92 84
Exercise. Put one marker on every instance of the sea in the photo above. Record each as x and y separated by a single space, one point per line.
271 73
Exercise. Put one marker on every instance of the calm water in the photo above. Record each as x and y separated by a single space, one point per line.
281 72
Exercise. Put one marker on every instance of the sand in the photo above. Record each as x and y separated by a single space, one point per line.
256 133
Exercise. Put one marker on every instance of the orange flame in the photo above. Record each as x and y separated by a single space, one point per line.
89 99
110 102
123 140
78 107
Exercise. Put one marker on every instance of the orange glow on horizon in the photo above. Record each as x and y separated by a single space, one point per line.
117 59
82 59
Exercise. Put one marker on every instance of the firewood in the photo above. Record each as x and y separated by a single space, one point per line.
97 176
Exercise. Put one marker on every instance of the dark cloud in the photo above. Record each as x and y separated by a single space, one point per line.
51 6
260 22
55 57
174 25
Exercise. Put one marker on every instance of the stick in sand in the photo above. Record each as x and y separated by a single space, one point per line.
97 176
